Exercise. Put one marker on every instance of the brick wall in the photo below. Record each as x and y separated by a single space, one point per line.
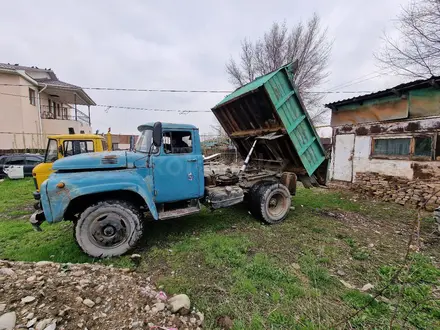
412 193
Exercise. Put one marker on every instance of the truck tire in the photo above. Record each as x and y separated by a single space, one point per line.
109 228
274 202
254 197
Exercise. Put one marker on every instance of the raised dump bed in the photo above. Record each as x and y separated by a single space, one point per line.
271 104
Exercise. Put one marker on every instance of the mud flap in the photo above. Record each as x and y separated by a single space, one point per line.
37 218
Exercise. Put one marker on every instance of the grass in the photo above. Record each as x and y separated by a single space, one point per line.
266 277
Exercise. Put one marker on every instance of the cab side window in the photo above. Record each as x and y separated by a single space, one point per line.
177 142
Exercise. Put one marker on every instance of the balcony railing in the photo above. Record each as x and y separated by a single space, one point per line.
63 113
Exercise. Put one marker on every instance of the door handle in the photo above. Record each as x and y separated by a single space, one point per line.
192 160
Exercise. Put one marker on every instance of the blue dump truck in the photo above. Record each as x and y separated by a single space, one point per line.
109 196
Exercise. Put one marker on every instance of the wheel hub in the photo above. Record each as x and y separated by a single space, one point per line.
108 231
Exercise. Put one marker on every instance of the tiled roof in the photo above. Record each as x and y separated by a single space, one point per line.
416 84
56 83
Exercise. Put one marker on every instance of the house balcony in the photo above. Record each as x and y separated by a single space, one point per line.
64 113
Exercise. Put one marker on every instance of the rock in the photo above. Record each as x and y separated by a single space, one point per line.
193 320
31 278
384 299
371 245
201 317
28 299
84 282
340 272
136 324
225 322
7 271
78 273
31 322
88 303
154 310
43 263
135 256
7 321
51 326
296 266
98 300
367 287
79 300
159 306
2 307
43 324
179 301
30 316
147 308
346 284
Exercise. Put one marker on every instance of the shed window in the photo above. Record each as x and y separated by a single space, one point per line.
423 146
31 96
393 147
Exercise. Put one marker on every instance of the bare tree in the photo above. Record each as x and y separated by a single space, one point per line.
416 50
307 43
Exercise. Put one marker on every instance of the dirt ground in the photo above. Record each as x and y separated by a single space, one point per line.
45 294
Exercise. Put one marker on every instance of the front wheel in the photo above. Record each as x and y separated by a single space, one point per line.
274 203
108 229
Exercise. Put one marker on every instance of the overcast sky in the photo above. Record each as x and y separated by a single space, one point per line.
179 45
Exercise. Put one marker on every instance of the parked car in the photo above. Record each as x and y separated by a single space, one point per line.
28 161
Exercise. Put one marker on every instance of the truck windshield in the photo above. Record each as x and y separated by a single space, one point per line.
144 142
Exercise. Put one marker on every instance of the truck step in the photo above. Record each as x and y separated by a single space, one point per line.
179 212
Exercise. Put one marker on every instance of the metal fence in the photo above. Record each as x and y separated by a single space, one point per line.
63 113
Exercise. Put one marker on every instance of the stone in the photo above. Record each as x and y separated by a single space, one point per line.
78 273
31 322
367 287
340 272
371 245
159 306
98 300
296 266
147 308
84 282
136 324
225 322
88 303
193 320
7 272
43 263
2 307
51 326
28 299
201 318
41 325
31 278
179 301
8 320
346 284
30 316
79 300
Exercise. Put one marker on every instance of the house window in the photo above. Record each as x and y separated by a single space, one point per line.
58 110
31 96
423 146
392 147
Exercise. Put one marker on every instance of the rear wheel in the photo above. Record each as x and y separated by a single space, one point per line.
108 229
271 202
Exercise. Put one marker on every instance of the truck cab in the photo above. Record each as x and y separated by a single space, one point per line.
59 146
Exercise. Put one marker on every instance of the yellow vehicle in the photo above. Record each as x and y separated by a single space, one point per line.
59 146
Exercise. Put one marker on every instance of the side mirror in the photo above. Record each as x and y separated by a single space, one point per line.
157 134
60 150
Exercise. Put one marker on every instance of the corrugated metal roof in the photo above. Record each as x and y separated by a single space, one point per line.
416 84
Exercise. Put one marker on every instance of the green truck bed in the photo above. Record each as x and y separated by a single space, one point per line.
270 104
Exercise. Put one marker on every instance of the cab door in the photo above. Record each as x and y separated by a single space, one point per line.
176 168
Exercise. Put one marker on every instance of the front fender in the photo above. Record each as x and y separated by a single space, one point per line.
56 200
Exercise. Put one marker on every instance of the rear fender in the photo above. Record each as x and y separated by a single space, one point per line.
55 200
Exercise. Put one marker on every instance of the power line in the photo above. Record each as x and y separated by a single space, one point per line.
108 107
187 91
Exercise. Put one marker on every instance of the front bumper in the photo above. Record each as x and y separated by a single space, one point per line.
37 218
36 195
